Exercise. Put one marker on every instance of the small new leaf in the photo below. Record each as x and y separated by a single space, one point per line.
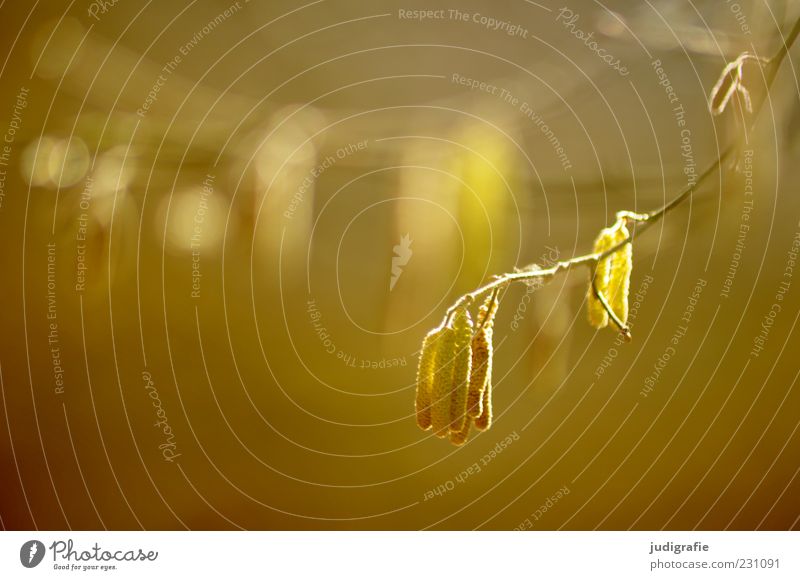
619 282
481 357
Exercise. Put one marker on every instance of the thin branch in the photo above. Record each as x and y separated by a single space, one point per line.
772 66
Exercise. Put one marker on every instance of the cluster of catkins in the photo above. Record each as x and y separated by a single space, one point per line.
454 378
612 277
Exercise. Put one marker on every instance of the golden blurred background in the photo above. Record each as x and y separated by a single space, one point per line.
227 225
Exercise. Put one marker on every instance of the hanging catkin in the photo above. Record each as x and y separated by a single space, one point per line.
482 410
460 437
598 317
462 324
425 376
